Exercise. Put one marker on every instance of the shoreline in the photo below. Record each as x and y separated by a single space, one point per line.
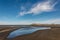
48 34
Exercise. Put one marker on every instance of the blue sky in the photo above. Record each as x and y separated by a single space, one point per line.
29 11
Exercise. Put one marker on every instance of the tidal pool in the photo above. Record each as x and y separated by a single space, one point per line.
25 30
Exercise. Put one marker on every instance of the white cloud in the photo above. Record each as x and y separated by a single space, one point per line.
50 21
23 22
40 7
27 22
37 8
53 21
3 23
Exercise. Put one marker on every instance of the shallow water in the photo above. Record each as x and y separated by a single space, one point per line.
25 30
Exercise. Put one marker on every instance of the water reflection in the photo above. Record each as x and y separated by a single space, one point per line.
25 30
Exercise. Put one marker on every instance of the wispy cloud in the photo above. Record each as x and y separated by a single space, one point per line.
50 21
3 23
27 22
38 8
53 21
23 22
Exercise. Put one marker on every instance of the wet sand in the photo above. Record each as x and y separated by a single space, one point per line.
49 34
4 32
52 34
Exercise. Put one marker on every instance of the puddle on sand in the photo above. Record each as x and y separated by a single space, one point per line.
25 30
